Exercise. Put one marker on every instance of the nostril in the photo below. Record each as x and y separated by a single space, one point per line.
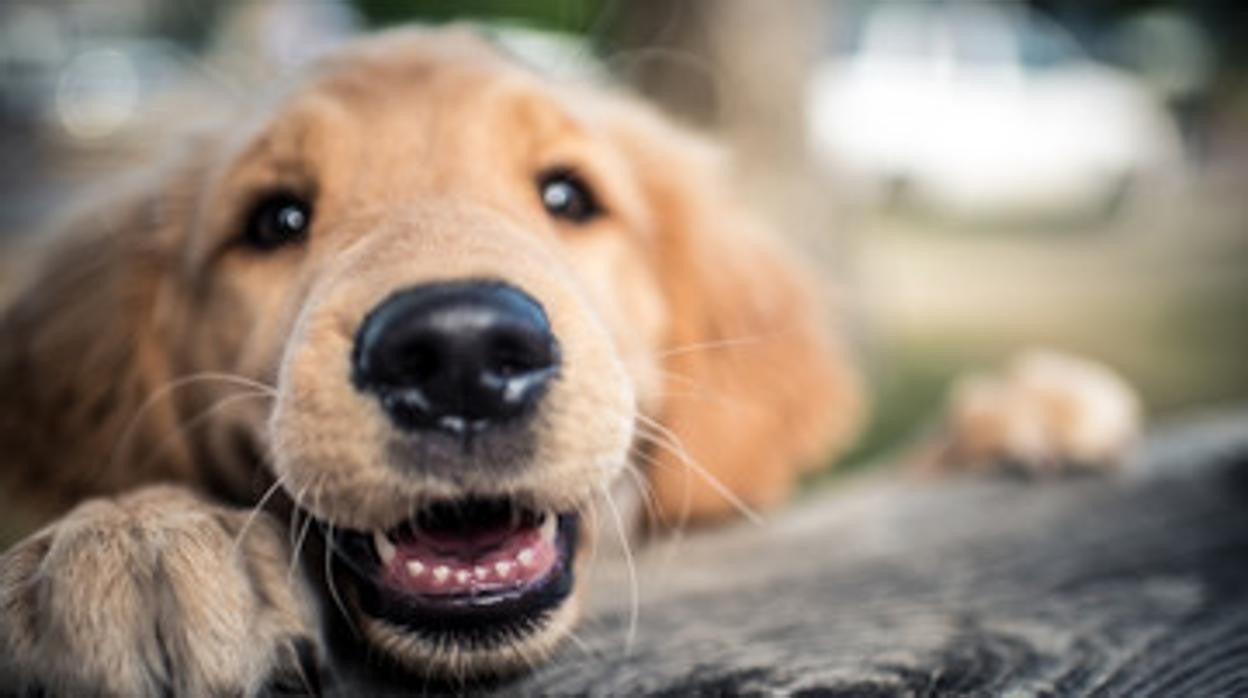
505 357
512 354
418 360
456 356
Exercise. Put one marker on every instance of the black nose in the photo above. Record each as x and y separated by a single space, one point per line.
457 356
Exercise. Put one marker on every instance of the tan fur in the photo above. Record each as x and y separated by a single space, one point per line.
157 589
1045 413
682 325
755 388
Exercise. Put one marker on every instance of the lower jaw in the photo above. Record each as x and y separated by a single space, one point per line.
405 653
492 635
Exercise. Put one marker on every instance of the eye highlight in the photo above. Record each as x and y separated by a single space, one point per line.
565 195
278 219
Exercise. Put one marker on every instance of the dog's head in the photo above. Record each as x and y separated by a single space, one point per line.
467 299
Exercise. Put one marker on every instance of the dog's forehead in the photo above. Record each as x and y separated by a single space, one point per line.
420 102
376 69
411 73
414 48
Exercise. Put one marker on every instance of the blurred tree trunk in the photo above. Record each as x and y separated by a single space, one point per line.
739 68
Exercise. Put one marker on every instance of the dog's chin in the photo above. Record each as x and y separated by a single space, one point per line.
474 586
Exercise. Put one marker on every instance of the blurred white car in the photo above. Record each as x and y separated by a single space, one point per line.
985 109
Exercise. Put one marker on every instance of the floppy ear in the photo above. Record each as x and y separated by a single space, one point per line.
83 347
757 389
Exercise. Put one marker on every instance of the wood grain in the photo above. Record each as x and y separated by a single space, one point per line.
1129 584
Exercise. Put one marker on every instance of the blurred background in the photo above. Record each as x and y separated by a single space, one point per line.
973 177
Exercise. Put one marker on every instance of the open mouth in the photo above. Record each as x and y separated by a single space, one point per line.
474 571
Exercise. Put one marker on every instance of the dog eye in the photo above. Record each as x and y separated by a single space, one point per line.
278 220
567 196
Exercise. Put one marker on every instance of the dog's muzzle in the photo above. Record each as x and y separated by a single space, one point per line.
464 362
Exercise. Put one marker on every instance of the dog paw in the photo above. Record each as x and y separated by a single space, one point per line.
1047 413
157 593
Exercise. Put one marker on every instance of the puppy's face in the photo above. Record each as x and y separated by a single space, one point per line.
452 294
443 264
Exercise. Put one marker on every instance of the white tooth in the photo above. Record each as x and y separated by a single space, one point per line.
526 557
415 568
441 573
503 568
385 549
463 576
547 531
481 573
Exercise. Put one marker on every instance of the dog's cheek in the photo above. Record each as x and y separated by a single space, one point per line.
586 426
323 434
624 293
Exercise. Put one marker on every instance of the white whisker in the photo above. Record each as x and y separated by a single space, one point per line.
582 645
676 448
709 346
329 580
293 524
635 598
653 462
198 419
694 389
294 553
315 495
123 442
251 516
593 540
670 544
646 492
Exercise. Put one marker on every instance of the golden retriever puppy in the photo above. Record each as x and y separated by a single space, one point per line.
419 313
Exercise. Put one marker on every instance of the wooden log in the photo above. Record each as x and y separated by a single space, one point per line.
1129 584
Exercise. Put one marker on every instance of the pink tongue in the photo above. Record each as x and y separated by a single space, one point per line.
482 562
465 544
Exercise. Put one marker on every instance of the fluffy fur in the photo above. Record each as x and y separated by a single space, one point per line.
150 346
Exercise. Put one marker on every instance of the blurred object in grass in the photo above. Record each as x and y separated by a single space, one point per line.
1163 299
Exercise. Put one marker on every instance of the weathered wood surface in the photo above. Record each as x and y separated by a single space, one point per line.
1132 584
